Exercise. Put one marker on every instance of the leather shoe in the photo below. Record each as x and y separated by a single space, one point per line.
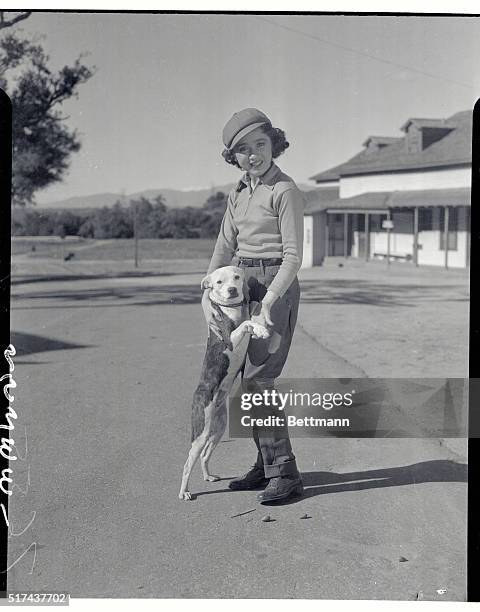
253 479
281 488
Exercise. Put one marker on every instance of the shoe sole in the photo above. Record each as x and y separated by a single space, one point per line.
295 492
260 485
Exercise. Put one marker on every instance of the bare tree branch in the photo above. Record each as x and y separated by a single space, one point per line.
8 24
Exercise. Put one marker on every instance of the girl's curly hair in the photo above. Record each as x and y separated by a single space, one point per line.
277 138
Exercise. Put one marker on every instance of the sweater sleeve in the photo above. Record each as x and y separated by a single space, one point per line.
290 222
226 244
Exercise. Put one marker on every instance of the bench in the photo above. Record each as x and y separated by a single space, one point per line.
393 255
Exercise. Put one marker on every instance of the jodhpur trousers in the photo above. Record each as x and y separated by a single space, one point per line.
262 368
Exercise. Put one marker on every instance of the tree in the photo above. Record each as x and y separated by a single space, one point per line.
87 229
141 209
216 203
215 206
121 224
112 222
157 222
67 223
42 142
186 222
38 224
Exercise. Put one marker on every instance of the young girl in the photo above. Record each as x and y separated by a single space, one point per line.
262 232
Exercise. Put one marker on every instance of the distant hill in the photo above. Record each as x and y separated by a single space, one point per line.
174 198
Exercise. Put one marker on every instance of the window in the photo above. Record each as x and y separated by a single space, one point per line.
452 228
376 223
425 219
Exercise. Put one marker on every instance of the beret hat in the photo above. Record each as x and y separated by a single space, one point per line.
241 124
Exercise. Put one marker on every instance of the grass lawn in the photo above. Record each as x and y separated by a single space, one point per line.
42 246
116 250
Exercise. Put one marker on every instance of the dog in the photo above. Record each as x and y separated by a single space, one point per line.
224 358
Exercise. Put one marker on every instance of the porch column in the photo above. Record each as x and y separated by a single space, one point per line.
415 235
367 238
445 236
345 235
389 217
326 235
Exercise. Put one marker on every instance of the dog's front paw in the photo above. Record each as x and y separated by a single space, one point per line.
185 496
211 478
247 327
260 332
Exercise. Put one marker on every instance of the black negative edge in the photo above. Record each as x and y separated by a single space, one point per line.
265 12
5 252
473 526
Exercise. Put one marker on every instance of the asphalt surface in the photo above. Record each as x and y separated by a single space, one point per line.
105 371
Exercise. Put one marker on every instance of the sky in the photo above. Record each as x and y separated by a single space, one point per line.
152 115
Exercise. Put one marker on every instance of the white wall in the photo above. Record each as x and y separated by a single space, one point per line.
354 252
400 244
430 254
308 238
400 181
327 184
313 239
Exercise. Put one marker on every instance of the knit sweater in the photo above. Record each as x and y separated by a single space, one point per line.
266 222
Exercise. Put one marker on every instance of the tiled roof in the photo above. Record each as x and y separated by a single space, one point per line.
324 195
427 123
372 199
460 196
453 149
383 200
382 140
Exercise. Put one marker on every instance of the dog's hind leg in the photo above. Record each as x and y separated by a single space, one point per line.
220 425
204 458
198 446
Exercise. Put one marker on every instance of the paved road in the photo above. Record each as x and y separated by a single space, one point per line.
105 373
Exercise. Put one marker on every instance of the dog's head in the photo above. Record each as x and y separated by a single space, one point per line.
227 284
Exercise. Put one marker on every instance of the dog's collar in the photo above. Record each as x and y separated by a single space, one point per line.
226 303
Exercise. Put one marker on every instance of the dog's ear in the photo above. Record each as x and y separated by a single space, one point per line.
206 282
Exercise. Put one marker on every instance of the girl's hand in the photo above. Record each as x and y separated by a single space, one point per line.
265 313
267 304
211 315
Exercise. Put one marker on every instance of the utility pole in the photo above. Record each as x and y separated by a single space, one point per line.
135 226
135 230
389 229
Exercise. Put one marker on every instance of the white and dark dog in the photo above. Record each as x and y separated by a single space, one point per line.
224 358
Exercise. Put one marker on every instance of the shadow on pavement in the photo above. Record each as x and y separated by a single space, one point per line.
27 344
378 294
48 278
323 483
106 297
441 470
332 291
326 292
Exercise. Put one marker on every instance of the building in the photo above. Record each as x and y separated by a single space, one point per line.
406 198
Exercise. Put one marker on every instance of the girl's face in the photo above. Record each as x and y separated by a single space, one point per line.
254 152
